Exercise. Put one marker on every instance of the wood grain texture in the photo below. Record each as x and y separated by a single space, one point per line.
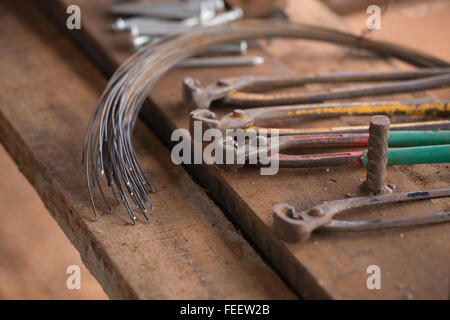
189 251
414 262
35 253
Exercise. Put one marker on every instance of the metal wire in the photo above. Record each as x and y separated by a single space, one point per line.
107 148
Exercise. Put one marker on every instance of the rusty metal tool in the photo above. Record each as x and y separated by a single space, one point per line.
406 147
396 139
261 118
294 226
395 156
230 91
408 150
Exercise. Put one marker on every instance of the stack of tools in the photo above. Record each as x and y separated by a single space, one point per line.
149 21
108 150
294 226
265 109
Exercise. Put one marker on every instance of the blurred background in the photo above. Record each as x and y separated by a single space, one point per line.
34 253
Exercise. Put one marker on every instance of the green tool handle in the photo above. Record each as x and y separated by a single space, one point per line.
418 138
415 155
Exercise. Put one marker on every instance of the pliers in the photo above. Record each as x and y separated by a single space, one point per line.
263 118
406 147
293 226
236 91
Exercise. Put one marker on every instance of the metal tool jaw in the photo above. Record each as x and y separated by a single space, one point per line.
196 97
207 120
294 226
238 119
204 119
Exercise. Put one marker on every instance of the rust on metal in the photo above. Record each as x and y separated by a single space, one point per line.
296 226
377 154
230 91
261 118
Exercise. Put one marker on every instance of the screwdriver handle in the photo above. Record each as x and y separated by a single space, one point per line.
415 155
418 138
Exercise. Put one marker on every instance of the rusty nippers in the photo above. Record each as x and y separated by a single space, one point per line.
293 226
245 92
263 118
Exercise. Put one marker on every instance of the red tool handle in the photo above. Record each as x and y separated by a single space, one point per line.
324 140
351 159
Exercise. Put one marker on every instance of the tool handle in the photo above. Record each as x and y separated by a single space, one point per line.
365 225
418 138
350 109
276 82
396 139
242 99
415 155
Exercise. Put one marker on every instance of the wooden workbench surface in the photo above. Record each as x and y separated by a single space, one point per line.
414 262
189 251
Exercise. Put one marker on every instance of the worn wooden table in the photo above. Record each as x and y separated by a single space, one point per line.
189 251
151 261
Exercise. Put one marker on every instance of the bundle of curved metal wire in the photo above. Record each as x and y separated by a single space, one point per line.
107 148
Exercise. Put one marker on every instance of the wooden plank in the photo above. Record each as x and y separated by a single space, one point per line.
414 262
189 251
